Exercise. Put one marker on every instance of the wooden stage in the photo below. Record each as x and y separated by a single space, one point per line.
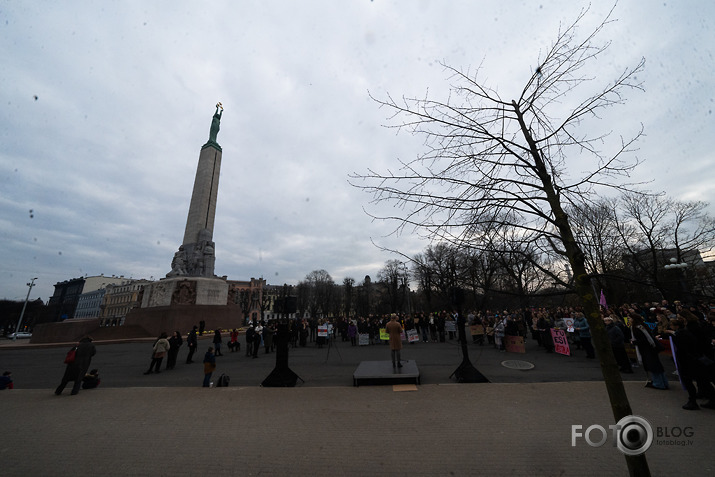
371 373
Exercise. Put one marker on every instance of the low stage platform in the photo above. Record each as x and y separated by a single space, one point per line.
370 373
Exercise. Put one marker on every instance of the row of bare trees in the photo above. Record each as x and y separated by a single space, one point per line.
627 241
319 296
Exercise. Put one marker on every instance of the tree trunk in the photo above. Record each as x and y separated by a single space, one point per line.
637 465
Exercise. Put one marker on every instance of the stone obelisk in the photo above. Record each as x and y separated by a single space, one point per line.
196 256
191 291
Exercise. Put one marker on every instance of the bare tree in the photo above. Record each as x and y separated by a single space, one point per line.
315 293
393 277
364 299
424 275
693 228
520 262
654 229
488 158
479 273
642 224
597 231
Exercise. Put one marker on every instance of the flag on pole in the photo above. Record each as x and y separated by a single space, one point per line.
602 301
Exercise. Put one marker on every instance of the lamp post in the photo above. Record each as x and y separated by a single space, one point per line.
674 265
22 313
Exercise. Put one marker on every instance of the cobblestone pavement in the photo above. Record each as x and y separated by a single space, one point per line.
520 424
434 430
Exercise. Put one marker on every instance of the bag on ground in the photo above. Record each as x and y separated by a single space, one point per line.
223 381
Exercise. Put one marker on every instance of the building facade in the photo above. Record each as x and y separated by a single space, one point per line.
89 304
118 300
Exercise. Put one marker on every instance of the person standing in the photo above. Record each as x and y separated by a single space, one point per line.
618 344
303 331
209 366
543 326
690 368
580 325
217 343
499 328
161 347
424 328
394 330
175 343
249 339
233 344
268 332
192 341
76 370
257 336
649 349
352 333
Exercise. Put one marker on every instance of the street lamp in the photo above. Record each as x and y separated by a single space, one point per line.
22 313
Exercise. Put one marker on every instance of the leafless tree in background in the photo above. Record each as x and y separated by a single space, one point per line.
489 158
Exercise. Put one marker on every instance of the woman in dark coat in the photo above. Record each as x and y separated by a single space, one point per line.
217 342
688 355
649 349
76 370
175 341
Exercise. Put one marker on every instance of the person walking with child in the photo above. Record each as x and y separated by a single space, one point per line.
77 368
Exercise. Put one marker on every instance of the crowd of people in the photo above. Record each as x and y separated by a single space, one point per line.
638 335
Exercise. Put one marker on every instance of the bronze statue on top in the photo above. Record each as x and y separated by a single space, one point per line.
215 126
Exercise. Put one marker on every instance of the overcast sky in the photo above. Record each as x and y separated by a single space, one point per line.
105 106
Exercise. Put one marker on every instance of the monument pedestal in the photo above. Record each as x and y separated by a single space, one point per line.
185 291
179 303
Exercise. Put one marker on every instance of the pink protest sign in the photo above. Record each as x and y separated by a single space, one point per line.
561 344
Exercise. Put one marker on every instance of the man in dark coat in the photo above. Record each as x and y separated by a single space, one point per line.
192 341
250 333
76 370
618 344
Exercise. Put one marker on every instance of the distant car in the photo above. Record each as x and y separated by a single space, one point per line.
20 335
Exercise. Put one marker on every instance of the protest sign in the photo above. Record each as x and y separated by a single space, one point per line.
561 344
514 344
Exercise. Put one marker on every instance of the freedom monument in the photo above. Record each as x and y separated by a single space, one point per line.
191 292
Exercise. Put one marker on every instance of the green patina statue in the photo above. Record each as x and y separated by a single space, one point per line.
215 126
